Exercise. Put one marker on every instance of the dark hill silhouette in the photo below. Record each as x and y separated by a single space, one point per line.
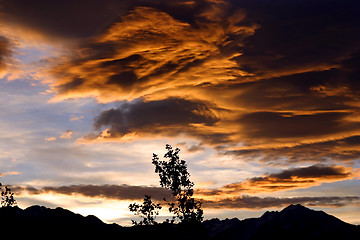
44 222
293 222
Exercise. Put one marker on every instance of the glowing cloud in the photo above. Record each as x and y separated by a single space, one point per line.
149 51
6 50
293 178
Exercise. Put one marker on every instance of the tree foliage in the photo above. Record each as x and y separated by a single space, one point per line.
148 211
174 176
7 197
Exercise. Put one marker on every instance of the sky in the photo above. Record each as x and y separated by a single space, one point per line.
262 98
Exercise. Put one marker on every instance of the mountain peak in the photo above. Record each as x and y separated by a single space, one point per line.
293 222
295 207
291 210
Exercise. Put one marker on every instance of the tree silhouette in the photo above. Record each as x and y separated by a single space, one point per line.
174 176
7 197
148 211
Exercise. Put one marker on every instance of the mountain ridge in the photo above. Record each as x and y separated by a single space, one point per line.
293 222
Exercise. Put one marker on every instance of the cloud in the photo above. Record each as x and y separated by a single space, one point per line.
299 36
276 125
67 134
50 139
251 202
223 43
195 148
341 149
127 192
264 80
64 19
314 91
76 118
118 192
61 19
278 95
9 173
169 117
288 179
148 51
6 50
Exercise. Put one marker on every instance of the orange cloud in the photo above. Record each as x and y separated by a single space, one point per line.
9 173
6 50
67 134
50 139
149 51
290 179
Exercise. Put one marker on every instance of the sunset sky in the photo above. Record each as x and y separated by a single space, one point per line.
262 97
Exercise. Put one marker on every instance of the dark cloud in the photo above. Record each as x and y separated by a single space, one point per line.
170 116
293 178
62 19
315 171
342 149
310 91
191 148
251 202
299 36
118 192
196 148
288 125
6 50
127 192
84 18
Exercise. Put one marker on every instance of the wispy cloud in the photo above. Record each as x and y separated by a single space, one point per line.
9 173
288 179
119 192
50 139
127 192
67 134
251 202
343 149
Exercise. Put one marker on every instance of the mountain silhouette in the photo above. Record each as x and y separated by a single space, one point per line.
42 222
293 222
